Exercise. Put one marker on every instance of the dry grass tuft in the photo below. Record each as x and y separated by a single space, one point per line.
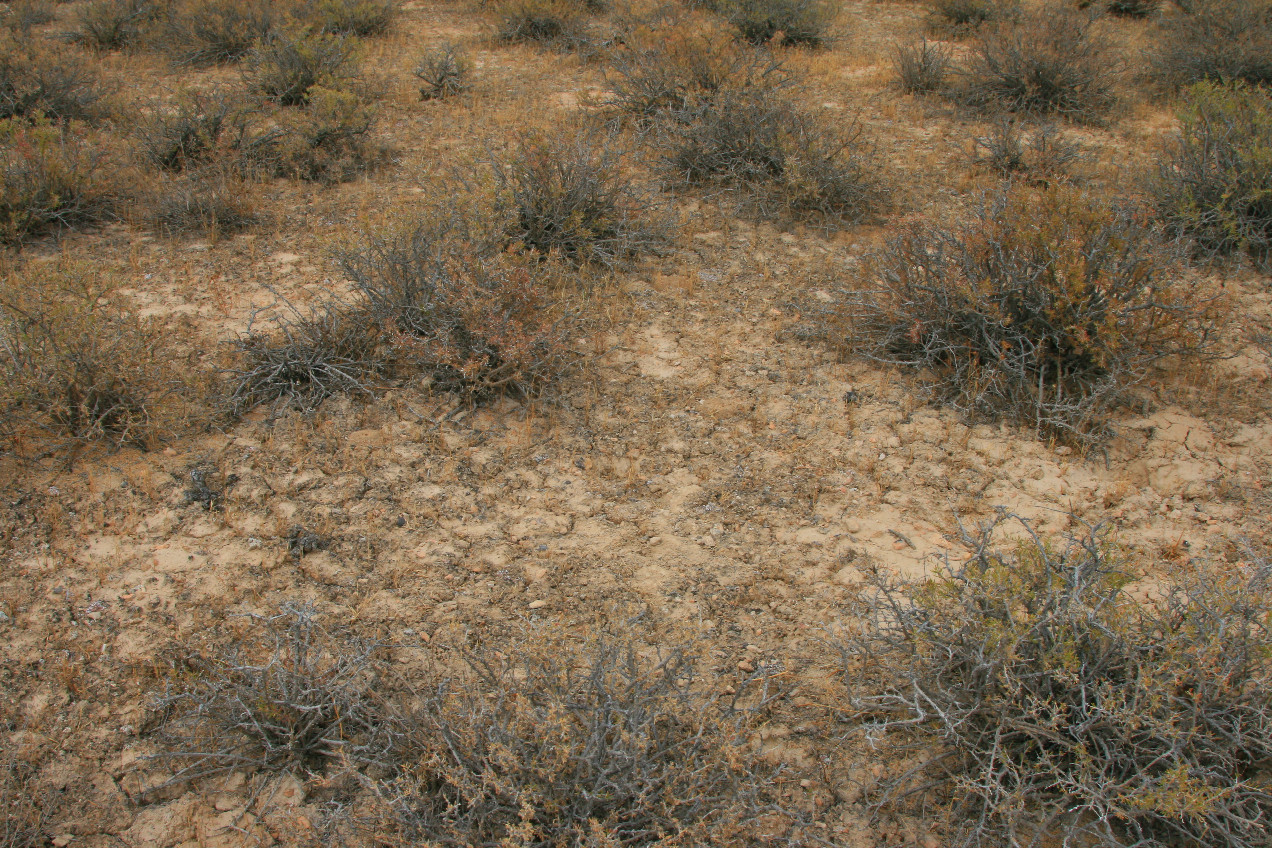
443 72
212 32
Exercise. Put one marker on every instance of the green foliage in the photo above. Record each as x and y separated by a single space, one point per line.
210 32
351 17
329 140
1216 186
1053 699
116 24
36 82
286 67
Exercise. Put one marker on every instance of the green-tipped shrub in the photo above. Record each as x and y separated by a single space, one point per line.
1218 40
1046 309
960 16
806 23
201 128
115 24
50 180
210 32
36 82
351 17
285 68
1215 188
1050 697
331 140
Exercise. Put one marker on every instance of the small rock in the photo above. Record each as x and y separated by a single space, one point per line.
538 604
746 665
4 618
62 840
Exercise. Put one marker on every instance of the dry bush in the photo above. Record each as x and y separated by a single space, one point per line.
1042 308
1218 40
211 32
286 67
78 364
1215 187
571 197
115 24
288 694
553 747
922 68
360 18
960 16
444 72
1050 61
789 161
21 16
471 318
677 71
25 810
1126 8
1050 703
1041 154
208 201
562 24
38 82
805 23
200 128
50 180
330 140
303 359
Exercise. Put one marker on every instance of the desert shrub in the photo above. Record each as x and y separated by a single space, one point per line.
37 82
1215 188
350 17
1128 8
1051 702
300 360
288 694
785 157
115 24
210 32
678 71
200 128
25 809
286 67
1217 40
208 201
49 180
569 196
922 67
473 319
1047 62
806 23
1040 154
961 16
77 363
443 72
21 16
556 23
330 140
557 747
1046 309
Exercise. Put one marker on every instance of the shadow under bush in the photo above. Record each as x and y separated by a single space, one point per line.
1051 61
1215 187
1047 700
1045 309
551 747
1217 40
